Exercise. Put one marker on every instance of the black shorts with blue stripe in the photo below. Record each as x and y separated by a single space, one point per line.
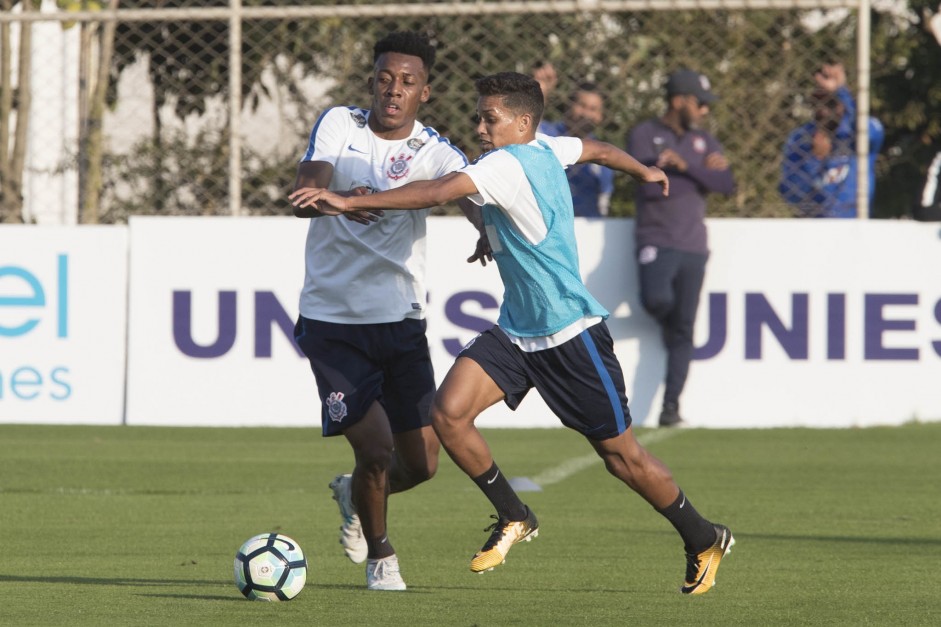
581 380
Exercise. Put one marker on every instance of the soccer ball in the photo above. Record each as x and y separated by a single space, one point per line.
270 567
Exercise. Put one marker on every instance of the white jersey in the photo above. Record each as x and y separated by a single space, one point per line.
367 274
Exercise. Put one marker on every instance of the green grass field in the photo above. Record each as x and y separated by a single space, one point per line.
139 526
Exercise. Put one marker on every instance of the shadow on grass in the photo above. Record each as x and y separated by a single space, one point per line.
872 540
241 599
160 583
117 581
196 597
796 537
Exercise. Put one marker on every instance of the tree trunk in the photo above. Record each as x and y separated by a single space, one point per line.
85 33
13 158
24 100
6 111
93 131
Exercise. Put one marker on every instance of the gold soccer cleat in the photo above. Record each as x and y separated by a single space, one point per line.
505 534
701 567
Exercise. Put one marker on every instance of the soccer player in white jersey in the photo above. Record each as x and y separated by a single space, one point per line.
551 333
362 307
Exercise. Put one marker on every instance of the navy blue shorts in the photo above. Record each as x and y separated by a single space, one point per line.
581 380
356 364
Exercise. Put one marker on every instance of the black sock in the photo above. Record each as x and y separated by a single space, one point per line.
496 488
698 533
379 548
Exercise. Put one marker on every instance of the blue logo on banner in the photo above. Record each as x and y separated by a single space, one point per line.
23 308
268 313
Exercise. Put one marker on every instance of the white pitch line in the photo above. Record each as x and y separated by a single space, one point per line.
576 464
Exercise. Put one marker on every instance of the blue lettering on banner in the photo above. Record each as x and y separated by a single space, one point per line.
937 316
759 313
876 325
836 326
718 327
22 290
268 313
268 310
794 338
183 328
36 297
27 383
454 312
790 329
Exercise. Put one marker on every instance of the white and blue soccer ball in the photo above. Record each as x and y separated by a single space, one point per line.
270 567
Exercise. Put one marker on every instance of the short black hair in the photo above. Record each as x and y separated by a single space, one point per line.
586 87
520 92
407 42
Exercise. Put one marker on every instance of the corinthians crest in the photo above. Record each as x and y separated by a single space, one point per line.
336 408
399 167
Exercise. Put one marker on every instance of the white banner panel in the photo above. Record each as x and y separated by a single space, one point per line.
63 303
818 323
799 322
213 303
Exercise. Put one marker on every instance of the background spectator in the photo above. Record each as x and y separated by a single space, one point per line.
545 74
818 172
670 232
591 184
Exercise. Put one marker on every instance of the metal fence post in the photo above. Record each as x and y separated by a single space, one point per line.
863 44
235 107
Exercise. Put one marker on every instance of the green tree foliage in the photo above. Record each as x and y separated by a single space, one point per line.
760 61
906 97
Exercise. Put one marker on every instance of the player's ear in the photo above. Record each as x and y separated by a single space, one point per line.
369 83
425 93
525 122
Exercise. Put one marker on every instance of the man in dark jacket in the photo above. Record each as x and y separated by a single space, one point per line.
670 232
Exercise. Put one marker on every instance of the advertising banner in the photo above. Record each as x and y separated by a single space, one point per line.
63 304
801 323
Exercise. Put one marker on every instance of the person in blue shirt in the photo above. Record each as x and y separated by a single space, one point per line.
551 333
591 184
819 169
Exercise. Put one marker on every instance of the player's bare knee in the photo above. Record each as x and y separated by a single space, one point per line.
422 471
445 419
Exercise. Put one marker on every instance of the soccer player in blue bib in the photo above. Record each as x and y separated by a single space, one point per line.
551 333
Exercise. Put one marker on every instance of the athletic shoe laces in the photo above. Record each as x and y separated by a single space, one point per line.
692 566
385 570
499 530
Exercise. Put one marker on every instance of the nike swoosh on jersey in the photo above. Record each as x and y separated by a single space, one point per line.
351 147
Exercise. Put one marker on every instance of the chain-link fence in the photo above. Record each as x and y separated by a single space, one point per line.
130 109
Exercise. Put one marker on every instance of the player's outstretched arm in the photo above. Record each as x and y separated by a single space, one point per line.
613 157
317 174
415 195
